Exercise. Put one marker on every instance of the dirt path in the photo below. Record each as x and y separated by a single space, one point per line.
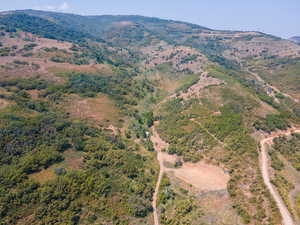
159 145
154 201
286 216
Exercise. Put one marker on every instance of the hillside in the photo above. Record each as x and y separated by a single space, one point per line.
295 39
135 120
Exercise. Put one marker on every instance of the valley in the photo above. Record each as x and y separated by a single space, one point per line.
132 120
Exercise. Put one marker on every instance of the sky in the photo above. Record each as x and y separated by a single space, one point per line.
277 17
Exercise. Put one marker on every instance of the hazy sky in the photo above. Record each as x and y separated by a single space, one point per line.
278 17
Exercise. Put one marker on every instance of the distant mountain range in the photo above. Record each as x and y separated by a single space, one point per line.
295 39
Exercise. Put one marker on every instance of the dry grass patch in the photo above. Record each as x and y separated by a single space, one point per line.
35 67
41 42
61 69
72 161
100 109
3 103
264 109
216 205
218 209
44 175
169 85
34 94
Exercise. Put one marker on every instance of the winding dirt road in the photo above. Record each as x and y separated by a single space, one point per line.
159 145
286 216
154 201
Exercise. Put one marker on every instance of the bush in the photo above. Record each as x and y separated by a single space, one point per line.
60 171
271 123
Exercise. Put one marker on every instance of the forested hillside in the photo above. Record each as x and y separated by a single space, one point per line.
87 103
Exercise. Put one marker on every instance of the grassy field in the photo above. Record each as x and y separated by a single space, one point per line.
100 109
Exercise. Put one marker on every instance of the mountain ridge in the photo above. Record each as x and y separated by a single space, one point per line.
121 17
125 31
295 39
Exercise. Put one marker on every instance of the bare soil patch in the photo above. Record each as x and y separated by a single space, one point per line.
34 94
203 176
44 175
61 68
3 103
124 24
195 90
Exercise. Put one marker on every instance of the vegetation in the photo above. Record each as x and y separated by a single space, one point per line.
34 136
177 208
282 183
182 134
281 72
194 131
298 204
112 178
124 89
41 27
271 123
284 187
289 148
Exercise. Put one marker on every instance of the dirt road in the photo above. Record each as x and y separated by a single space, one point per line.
286 216
159 145
154 201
